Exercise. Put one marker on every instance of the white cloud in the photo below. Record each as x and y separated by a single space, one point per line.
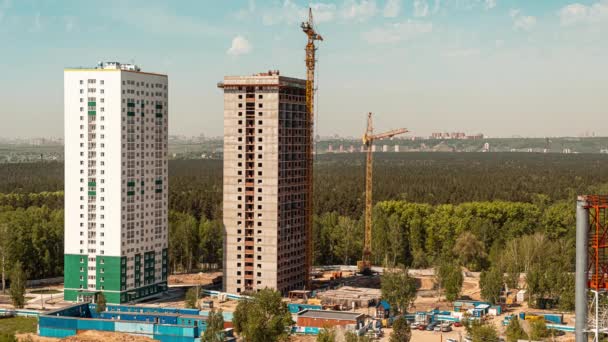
392 8
489 4
360 10
524 23
575 14
394 33
421 8
291 13
514 13
240 46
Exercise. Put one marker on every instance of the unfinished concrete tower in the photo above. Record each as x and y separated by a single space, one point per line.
266 138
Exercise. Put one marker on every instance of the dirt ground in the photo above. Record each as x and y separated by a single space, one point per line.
193 278
88 336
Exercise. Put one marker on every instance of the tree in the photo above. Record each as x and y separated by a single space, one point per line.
101 303
491 282
450 279
215 327
265 317
401 331
3 253
211 239
395 236
350 336
17 290
398 288
192 298
327 335
470 250
6 337
515 332
538 330
481 332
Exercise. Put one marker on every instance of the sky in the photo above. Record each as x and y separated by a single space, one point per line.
498 67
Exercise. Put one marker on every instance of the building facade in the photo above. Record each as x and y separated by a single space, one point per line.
116 175
266 139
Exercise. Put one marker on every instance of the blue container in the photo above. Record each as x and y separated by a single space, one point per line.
56 333
554 318
522 315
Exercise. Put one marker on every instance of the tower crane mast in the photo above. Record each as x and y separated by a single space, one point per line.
369 137
311 33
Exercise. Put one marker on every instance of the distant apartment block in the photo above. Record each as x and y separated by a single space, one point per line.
115 183
455 135
266 138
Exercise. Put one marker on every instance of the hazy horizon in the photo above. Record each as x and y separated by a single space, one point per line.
497 67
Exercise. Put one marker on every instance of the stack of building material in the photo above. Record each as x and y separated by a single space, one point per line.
347 295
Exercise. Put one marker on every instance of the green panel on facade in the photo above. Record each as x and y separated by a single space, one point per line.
92 183
91 104
92 112
159 115
159 181
72 273
92 193
130 193
108 269
159 106
130 183
130 113
159 190
131 104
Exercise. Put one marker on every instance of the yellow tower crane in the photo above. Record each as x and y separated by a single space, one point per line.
311 33
365 264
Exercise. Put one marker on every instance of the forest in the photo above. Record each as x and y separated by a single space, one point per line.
485 210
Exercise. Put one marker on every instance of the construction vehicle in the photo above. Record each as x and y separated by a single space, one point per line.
364 265
309 29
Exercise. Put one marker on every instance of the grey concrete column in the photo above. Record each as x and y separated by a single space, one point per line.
582 234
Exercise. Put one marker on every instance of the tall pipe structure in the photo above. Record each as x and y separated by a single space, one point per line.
582 235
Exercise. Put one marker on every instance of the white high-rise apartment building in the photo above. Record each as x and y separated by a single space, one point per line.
116 182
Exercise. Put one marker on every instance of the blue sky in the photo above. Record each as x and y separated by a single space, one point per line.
530 68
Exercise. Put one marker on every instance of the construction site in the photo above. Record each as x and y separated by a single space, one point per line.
268 243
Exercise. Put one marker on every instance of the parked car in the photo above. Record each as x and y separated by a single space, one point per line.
457 324
414 325
451 340
431 326
446 328
421 327
437 328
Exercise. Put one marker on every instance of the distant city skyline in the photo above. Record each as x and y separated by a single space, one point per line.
498 67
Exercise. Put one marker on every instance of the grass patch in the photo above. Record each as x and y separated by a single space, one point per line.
16 325
47 291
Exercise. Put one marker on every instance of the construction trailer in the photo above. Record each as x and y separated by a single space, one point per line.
163 324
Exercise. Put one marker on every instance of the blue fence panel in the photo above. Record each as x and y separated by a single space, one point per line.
295 308
95 324
168 338
58 322
56 333
133 327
